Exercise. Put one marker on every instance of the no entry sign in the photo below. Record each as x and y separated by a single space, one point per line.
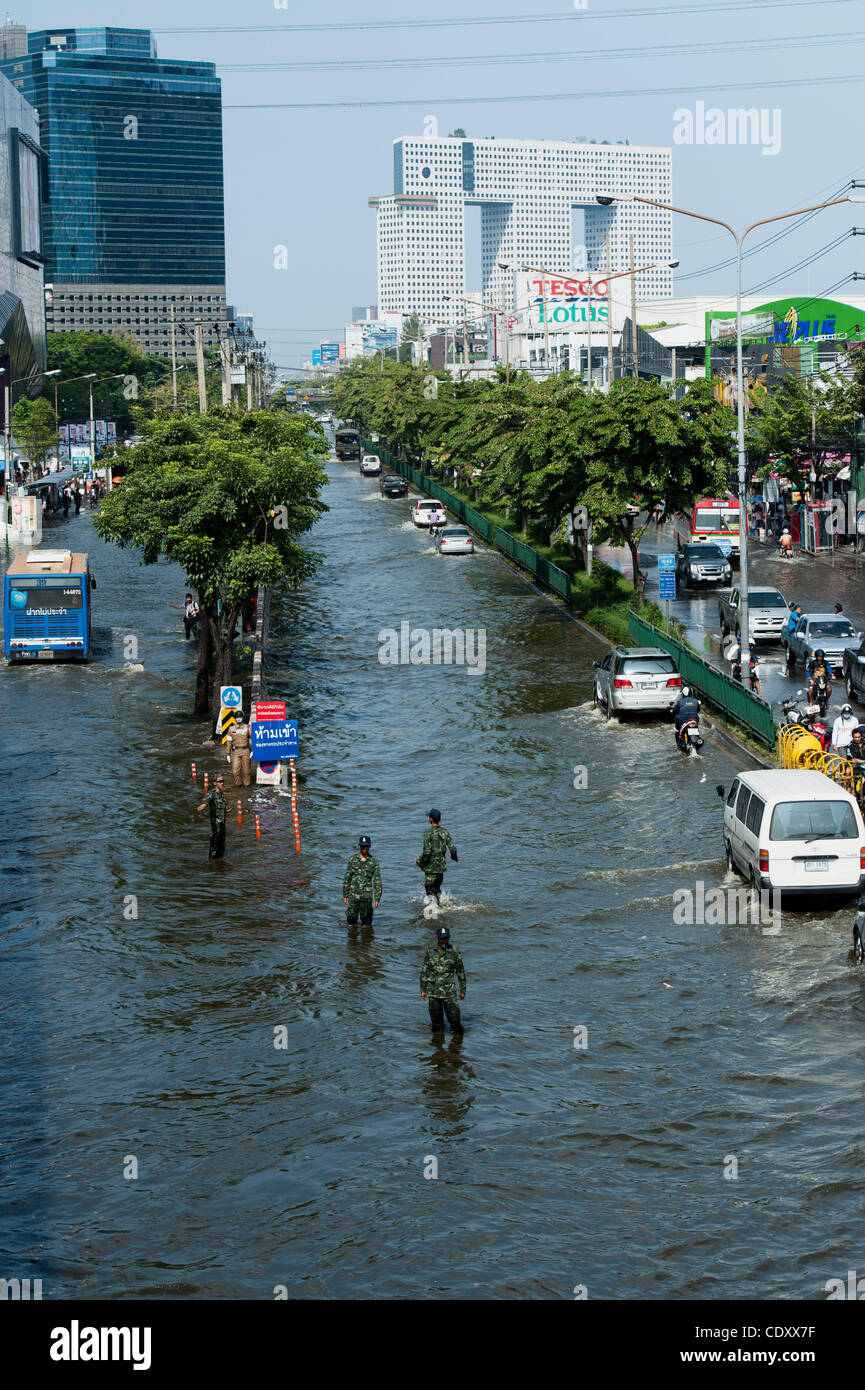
272 739
270 710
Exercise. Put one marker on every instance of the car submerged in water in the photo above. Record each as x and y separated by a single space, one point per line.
392 485
636 680
456 540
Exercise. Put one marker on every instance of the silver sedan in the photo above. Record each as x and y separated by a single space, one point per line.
456 540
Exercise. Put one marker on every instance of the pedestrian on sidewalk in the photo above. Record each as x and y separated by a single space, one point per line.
842 730
216 804
441 974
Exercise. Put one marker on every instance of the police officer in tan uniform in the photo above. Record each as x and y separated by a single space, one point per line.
239 747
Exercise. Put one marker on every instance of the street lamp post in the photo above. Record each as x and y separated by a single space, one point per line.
739 238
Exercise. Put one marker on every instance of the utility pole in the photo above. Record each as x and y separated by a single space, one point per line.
173 362
93 440
249 369
506 334
199 359
225 348
7 428
465 337
609 314
634 303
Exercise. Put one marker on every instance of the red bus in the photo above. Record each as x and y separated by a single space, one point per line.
716 519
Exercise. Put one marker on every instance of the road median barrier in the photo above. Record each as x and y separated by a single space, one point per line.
720 690
522 554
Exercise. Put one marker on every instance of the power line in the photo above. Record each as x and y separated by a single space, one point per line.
833 80
582 56
464 22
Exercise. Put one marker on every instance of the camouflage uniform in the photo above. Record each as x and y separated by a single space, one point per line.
218 808
362 876
441 974
436 843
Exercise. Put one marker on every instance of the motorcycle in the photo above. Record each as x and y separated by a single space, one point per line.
688 736
822 694
797 712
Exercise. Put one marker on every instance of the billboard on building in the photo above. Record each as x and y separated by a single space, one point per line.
563 303
789 322
329 352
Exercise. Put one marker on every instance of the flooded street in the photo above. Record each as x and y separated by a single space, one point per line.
146 989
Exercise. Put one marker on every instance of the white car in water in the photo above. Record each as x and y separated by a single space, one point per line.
370 465
429 512
456 540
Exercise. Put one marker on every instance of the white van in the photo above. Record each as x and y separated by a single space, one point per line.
795 832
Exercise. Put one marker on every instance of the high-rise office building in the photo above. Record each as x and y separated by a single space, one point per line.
22 302
134 221
527 191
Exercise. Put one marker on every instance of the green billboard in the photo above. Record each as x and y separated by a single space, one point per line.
786 323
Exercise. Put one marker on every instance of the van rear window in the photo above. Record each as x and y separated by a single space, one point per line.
813 820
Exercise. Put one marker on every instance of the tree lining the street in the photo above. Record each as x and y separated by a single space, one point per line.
226 496
541 449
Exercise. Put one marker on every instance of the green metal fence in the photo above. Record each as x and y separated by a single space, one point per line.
524 555
728 695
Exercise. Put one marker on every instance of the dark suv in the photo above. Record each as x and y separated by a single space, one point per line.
702 563
392 485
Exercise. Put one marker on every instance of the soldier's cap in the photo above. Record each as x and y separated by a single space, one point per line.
364 841
220 778
435 815
443 933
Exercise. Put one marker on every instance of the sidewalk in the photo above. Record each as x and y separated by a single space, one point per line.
839 559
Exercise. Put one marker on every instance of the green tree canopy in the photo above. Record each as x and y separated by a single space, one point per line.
226 496
34 425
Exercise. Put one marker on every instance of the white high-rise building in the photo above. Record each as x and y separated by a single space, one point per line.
527 191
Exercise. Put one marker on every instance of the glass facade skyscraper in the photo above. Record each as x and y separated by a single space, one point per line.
134 221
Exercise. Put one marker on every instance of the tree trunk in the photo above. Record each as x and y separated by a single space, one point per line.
640 576
205 647
223 643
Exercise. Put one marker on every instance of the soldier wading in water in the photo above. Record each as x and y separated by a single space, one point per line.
436 843
442 971
361 886
218 808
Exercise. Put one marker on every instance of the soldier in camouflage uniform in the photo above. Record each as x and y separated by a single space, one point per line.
218 808
436 842
442 971
361 886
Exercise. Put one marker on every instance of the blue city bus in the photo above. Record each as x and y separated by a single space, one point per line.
46 607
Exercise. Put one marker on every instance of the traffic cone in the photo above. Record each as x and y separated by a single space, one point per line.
239 814
194 773
205 781
257 828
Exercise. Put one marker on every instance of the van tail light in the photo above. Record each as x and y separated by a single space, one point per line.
674 680
862 858
764 861
622 685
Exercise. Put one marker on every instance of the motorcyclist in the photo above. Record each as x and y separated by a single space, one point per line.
785 545
686 707
735 657
753 674
816 667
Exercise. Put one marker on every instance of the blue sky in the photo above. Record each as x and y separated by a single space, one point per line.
300 165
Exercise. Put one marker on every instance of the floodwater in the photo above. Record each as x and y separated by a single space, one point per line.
213 1089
